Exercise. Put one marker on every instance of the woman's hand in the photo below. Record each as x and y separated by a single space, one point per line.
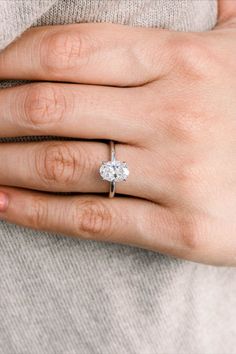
169 101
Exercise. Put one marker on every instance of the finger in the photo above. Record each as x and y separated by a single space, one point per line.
120 220
130 221
105 54
80 111
68 166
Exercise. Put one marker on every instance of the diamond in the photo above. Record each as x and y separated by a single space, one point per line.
114 171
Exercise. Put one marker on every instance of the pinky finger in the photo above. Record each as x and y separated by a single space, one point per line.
120 220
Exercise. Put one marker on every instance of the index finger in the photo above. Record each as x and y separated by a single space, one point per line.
104 54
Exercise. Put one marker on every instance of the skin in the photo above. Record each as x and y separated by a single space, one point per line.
167 98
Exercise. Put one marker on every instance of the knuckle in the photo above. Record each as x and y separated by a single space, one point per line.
185 232
44 104
189 235
91 219
187 176
183 122
192 55
63 50
188 116
57 163
37 213
184 127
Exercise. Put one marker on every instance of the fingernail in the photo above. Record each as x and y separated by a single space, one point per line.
3 201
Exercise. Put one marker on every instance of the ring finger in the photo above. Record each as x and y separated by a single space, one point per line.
73 166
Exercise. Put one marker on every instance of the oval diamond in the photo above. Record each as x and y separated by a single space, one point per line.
114 171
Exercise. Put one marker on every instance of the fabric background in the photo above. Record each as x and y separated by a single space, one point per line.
66 296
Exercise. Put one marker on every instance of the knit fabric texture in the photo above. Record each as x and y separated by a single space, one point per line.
59 295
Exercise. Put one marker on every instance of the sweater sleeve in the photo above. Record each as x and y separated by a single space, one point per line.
17 16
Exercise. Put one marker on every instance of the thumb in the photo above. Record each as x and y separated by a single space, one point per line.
226 14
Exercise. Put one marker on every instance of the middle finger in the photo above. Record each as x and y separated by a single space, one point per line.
80 111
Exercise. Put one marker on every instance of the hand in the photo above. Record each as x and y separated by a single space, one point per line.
169 101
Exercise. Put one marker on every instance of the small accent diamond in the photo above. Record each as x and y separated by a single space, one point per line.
116 171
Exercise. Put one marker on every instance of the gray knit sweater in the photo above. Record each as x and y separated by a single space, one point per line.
64 296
